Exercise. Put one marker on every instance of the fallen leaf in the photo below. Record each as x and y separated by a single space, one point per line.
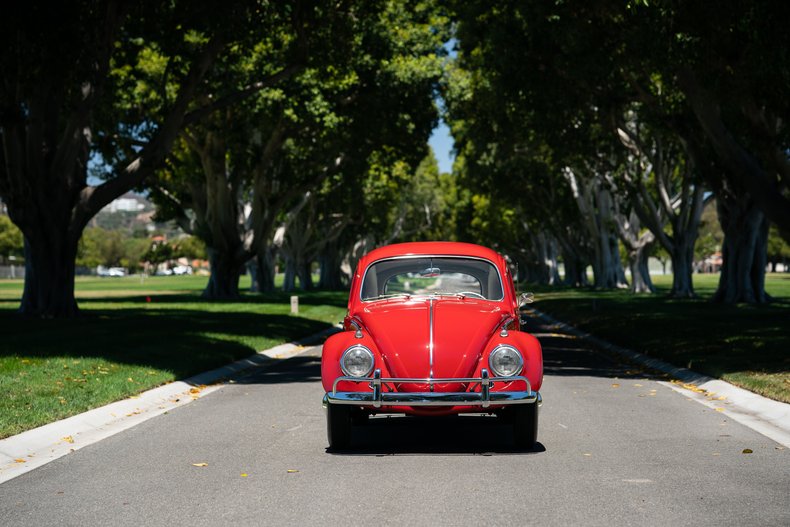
615 385
68 439
719 409
588 455
747 451
243 474
194 390
716 454
638 385
20 460
292 471
199 464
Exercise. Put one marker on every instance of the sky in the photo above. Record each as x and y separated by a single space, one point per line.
442 143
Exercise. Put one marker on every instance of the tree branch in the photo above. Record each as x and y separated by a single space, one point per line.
93 199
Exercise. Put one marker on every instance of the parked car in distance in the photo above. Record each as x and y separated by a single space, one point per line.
182 269
432 329
111 271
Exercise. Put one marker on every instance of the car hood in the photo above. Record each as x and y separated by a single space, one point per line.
401 330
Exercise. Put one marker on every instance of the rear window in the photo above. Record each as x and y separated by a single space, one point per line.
427 275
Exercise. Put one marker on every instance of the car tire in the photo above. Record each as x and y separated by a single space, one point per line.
338 426
525 426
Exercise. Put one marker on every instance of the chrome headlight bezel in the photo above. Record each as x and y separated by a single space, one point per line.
508 349
354 349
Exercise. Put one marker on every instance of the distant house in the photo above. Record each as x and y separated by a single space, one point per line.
129 202
712 264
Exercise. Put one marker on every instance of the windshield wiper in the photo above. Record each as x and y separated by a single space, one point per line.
389 295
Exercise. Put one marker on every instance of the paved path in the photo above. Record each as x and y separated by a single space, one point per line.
616 448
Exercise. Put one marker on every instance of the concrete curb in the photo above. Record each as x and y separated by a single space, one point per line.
29 450
766 416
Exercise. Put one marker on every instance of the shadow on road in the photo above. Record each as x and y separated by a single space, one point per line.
469 435
568 355
297 369
564 355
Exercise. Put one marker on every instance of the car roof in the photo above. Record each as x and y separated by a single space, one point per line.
431 248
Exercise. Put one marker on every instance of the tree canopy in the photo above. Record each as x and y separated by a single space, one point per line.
295 133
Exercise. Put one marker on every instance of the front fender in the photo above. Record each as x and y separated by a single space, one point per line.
330 360
530 349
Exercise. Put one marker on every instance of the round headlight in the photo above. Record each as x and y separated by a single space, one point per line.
505 361
357 361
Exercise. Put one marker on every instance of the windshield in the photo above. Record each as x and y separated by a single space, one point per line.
432 275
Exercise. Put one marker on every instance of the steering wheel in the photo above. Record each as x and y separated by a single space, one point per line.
471 293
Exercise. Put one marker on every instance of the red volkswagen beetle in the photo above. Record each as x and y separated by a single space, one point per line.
433 328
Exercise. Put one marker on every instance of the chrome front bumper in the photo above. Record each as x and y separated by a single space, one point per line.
484 398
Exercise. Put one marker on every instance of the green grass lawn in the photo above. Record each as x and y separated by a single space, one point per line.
746 345
133 335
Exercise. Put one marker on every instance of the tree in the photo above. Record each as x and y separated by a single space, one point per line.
370 92
11 241
665 188
778 250
71 72
709 78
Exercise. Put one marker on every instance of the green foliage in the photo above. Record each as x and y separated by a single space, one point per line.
354 122
160 252
192 247
100 247
11 240
710 234
778 248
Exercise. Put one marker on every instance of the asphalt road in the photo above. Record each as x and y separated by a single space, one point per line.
616 448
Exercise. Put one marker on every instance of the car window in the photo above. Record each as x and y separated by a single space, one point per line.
428 275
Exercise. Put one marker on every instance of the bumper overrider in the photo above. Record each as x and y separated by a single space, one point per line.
484 398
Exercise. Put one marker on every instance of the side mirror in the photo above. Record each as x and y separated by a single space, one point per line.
525 298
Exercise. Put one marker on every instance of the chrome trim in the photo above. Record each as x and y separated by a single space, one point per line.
484 398
504 325
406 256
430 339
358 327
372 361
485 387
501 346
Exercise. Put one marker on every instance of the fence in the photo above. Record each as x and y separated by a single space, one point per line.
12 271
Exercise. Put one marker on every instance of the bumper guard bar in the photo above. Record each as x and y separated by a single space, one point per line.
484 398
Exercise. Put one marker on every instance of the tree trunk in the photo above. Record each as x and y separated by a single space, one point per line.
546 269
682 260
49 276
223 284
607 269
265 271
261 269
329 264
289 280
575 270
744 257
640 272
252 268
303 272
